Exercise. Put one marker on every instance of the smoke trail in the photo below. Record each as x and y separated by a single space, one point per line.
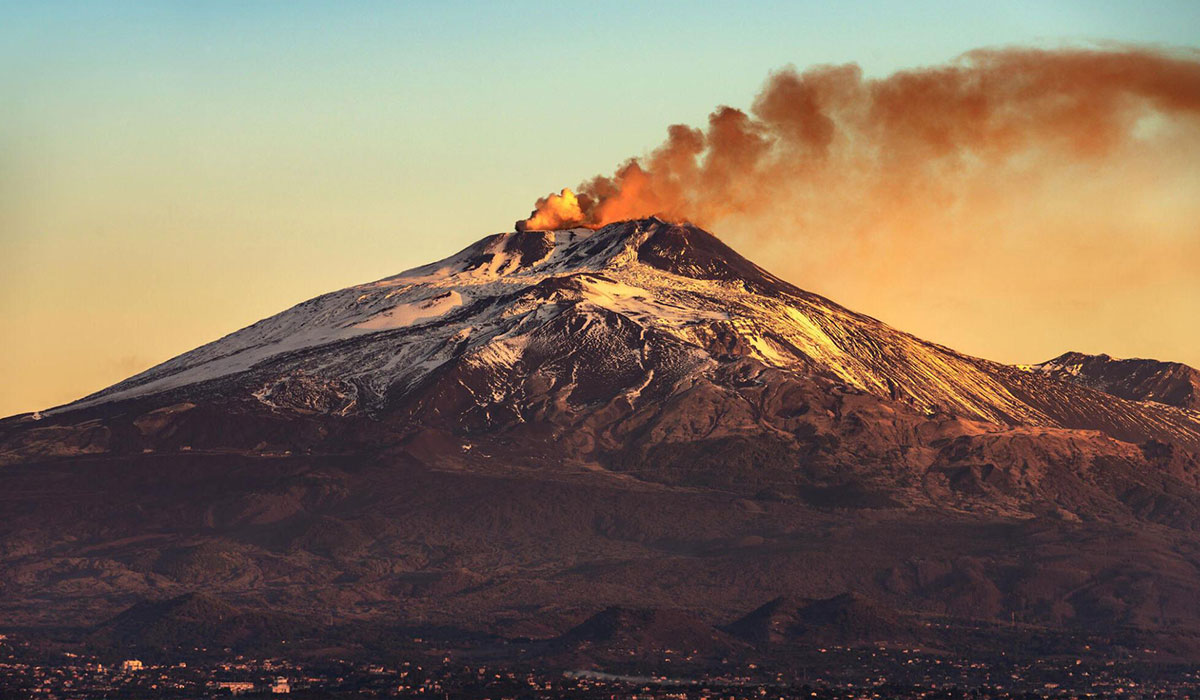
1012 203
830 130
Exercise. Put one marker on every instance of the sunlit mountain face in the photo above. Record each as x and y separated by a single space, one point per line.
603 439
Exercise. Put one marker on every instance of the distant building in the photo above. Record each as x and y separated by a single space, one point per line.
281 686
129 665
236 687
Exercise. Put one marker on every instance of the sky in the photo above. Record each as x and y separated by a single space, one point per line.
171 172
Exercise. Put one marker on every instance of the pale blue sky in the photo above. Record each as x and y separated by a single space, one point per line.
172 171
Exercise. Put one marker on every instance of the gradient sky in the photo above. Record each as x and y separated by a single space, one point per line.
171 172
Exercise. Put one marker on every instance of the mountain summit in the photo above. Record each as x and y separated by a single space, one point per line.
484 299
665 303
550 424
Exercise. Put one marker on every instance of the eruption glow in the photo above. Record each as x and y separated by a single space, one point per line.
553 211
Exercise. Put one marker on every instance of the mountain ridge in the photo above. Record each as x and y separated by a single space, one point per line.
548 425
485 300
1136 379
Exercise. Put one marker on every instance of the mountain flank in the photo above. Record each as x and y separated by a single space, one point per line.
574 442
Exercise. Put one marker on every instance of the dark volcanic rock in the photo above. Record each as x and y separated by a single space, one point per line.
198 620
843 619
645 635
635 420
1172 383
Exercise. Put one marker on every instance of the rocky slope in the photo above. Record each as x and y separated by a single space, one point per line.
547 425
1170 383
651 304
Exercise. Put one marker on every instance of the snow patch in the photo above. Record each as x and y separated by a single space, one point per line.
403 315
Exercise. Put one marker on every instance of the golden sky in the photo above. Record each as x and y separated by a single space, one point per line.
170 173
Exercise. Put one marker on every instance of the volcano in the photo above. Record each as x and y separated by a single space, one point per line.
551 424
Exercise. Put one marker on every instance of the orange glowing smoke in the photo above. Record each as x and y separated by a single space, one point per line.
885 141
554 211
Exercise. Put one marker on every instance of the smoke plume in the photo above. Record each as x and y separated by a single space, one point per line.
893 138
1051 192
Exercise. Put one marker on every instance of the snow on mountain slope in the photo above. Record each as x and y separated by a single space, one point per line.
558 421
604 298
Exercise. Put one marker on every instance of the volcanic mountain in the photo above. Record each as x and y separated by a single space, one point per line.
549 424
1171 383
